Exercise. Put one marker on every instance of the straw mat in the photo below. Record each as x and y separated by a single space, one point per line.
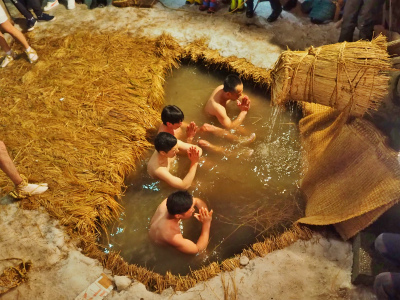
351 175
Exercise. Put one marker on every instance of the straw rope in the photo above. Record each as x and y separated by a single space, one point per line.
360 79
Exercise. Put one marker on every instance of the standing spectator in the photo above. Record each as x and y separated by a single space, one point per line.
6 26
361 13
21 5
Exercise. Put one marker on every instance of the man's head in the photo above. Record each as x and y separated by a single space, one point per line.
172 116
233 86
166 144
180 205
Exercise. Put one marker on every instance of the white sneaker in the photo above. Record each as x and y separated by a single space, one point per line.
32 55
25 189
8 58
50 5
71 4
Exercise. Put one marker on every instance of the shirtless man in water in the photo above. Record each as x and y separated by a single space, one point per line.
172 122
231 90
164 225
167 146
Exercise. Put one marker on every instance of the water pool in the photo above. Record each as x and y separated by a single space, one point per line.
252 196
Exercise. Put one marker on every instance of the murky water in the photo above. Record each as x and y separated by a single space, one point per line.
252 196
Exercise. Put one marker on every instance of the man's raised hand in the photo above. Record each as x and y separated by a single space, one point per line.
193 154
204 215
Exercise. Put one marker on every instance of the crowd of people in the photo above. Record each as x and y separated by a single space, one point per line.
361 14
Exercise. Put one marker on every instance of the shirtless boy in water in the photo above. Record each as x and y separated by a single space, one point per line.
164 225
172 122
167 146
231 90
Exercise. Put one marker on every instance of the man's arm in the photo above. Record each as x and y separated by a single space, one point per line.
185 183
176 182
187 246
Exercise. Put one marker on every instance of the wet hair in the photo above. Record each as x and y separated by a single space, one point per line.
172 114
231 82
179 202
165 141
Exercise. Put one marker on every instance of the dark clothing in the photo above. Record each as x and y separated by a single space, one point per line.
387 285
275 5
22 5
361 13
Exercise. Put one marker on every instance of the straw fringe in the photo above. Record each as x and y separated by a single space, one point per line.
83 126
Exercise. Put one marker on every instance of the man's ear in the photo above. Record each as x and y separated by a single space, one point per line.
169 124
163 153
178 216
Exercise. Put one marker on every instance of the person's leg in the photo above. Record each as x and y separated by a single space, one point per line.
7 165
21 6
36 6
366 18
289 5
350 16
250 8
226 134
3 43
387 286
15 33
22 187
388 244
276 10
214 148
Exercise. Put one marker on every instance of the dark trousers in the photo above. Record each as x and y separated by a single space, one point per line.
22 6
275 4
387 285
361 13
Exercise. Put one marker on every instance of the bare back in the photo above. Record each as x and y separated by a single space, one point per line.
162 228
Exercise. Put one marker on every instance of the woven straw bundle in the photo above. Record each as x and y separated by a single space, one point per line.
343 75
352 176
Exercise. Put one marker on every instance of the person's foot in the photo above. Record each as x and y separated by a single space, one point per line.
30 24
290 5
32 55
50 5
25 189
250 13
247 139
211 10
275 15
45 17
8 58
